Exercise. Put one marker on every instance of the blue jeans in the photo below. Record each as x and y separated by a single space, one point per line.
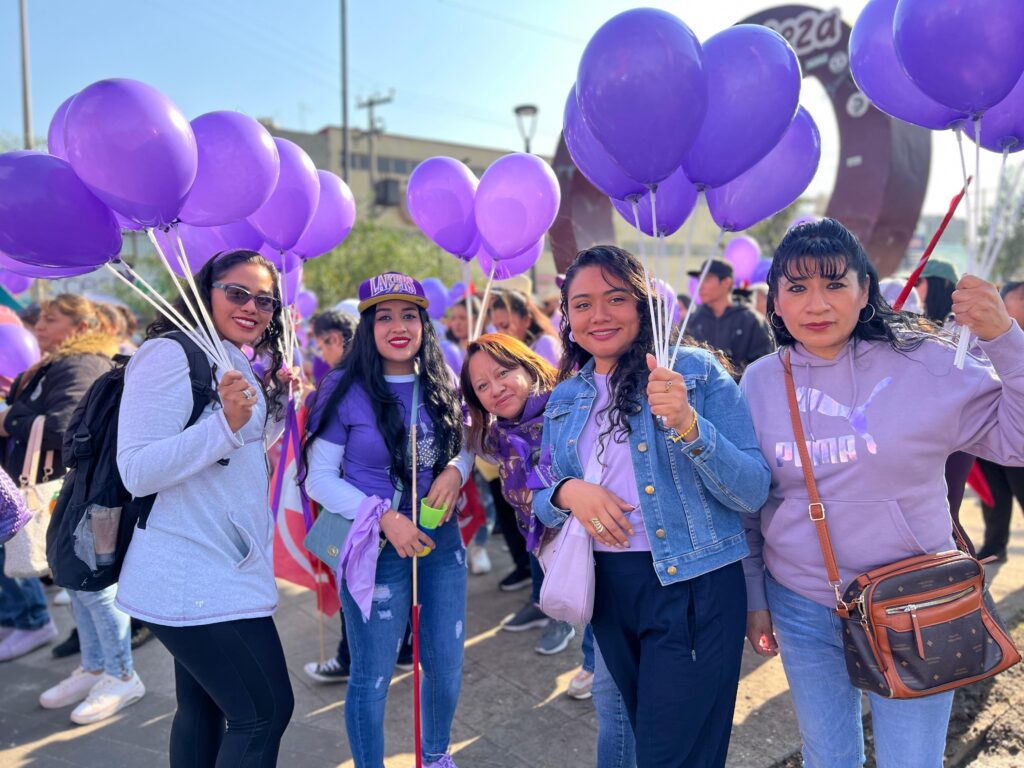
616 747
104 632
536 579
375 643
909 733
22 602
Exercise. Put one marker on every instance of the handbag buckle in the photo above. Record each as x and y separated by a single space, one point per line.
821 511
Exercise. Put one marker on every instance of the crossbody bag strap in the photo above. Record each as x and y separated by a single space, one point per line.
30 467
815 509
413 414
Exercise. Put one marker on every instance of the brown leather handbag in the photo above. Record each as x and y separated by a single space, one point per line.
919 626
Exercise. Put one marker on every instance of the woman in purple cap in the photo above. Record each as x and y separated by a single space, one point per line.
357 461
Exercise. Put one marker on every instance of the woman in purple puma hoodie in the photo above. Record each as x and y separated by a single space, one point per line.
861 373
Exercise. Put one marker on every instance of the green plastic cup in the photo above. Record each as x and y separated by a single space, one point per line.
430 517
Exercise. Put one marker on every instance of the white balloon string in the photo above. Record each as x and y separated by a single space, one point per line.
700 282
483 306
138 279
659 304
647 274
1001 224
164 309
1010 216
151 233
210 327
963 335
997 209
978 213
468 296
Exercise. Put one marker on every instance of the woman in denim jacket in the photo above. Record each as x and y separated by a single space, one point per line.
662 498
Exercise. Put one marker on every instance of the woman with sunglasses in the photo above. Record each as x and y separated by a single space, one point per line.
658 466
201 573
358 464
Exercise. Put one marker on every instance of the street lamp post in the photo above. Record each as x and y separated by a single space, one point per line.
26 92
526 121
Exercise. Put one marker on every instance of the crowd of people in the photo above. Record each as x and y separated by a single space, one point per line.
686 477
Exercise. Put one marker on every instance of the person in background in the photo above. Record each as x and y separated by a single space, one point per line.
727 325
514 313
29 316
1005 483
935 288
683 302
200 573
131 328
891 287
759 298
862 369
332 335
658 466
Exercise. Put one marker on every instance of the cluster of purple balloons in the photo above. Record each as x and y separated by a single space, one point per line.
500 220
123 156
945 65
655 111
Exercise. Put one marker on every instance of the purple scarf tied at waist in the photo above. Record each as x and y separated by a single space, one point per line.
357 563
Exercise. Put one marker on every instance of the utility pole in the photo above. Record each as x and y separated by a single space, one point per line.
346 163
26 92
369 105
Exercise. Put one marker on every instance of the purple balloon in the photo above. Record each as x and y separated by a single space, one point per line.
18 350
693 286
306 303
452 355
643 90
456 293
335 215
238 169
777 180
128 224
590 157
674 200
133 147
516 202
1003 125
753 92
291 284
965 54
879 74
36 270
201 244
437 295
240 234
506 268
14 282
49 217
760 273
55 134
743 253
285 262
440 197
288 211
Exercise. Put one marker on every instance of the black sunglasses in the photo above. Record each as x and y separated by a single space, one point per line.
236 294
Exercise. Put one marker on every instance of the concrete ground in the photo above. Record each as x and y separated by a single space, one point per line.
513 712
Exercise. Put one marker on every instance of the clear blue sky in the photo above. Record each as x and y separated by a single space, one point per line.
457 66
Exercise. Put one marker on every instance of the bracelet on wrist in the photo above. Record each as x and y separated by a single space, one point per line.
693 423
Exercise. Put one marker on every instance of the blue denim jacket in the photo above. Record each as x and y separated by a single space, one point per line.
691 493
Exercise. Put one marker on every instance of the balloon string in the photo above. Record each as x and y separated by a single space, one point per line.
963 335
647 275
467 295
1010 215
164 309
974 257
700 282
210 327
658 303
1004 191
483 305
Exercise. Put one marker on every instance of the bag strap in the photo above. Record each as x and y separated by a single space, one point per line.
30 467
413 416
815 509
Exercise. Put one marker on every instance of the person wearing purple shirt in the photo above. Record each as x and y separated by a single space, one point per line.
357 464
882 406
515 314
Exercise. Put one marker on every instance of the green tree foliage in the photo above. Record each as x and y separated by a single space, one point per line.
372 248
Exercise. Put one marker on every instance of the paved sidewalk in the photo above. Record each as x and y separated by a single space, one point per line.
513 712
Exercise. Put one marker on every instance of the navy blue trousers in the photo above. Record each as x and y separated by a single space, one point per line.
674 652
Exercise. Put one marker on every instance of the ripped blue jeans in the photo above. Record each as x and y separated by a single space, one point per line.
375 644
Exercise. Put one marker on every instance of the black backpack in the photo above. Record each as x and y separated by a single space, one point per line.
95 516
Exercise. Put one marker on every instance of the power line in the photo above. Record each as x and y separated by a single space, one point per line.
540 30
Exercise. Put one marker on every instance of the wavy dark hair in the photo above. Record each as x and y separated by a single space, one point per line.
520 304
508 352
938 299
464 303
827 249
363 365
269 344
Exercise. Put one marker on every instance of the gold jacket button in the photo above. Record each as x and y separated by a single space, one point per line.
696 451
642 447
332 551
671 570
660 533
649 490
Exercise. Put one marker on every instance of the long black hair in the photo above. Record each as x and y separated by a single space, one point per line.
269 344
827 249
363 365
938 298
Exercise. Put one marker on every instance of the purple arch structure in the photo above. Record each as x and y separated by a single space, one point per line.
883 162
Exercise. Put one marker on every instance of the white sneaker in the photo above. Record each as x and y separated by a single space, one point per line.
479 560
62 598
108 697
70 690
22 641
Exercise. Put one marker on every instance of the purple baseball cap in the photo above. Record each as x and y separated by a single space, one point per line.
391 286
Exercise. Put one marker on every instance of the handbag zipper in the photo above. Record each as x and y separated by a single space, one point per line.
914 607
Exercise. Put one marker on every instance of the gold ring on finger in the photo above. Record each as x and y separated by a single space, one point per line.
598 525
668 385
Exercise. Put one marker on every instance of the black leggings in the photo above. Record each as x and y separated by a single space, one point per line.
506 515
229 674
